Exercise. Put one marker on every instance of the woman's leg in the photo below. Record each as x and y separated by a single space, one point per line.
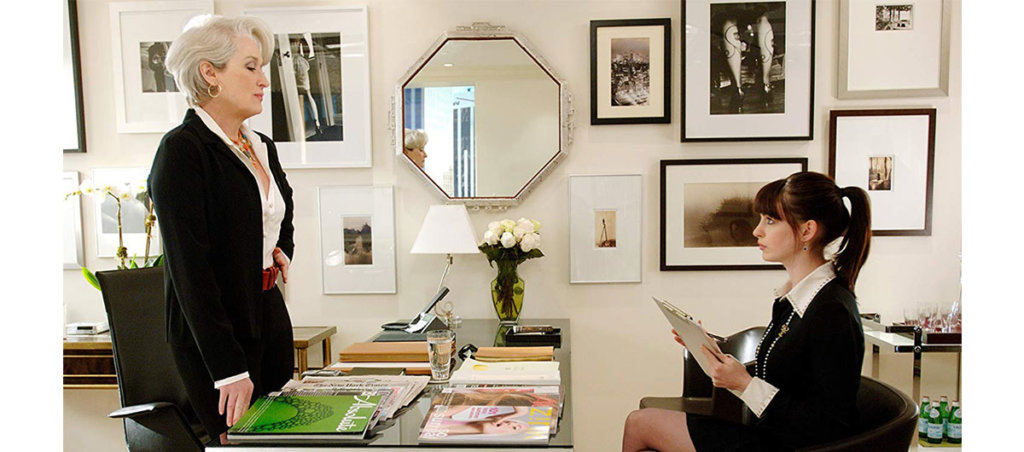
657 429
766 41
732 46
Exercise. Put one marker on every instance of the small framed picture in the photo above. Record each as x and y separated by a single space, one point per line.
707 211
893 49
74 252
605 228
318 110
145 96
748 70
357 239
890 154
630 71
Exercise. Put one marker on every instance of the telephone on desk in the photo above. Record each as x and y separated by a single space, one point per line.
418 326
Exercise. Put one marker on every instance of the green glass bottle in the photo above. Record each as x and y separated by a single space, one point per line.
955 432
934 424
922 418
944 412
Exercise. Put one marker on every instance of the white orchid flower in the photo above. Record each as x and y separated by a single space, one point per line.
88 188
112 189
490 237
530 242
508 240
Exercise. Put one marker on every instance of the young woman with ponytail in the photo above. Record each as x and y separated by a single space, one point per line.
804 386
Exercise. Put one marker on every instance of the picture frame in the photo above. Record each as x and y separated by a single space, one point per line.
133 214
890 154
706 211
605 228
896 49
146 98
318 107
73 110
74 251
352 218
630 71
773 107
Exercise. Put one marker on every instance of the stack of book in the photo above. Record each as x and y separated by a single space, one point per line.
326 409
538 373
411 356
486 414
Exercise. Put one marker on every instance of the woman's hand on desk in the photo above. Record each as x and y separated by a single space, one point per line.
234 400
726 371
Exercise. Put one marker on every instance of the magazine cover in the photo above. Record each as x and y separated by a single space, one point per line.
501 415
302 417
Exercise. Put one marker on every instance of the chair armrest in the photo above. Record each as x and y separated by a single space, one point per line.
140 410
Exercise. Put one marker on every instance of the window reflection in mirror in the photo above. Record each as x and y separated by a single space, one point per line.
448 113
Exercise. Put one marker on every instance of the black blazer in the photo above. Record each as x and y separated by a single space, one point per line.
211 220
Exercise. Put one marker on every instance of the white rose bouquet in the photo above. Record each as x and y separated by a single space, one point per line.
510 243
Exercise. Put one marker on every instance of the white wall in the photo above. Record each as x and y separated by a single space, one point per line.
622 349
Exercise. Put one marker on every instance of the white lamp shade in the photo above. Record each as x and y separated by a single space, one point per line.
446 230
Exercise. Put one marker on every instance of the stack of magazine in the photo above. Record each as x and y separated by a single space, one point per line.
326 409
484 414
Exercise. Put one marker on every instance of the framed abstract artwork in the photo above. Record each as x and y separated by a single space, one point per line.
893 49
146 99
630 71
318 110
357 239
748 70
707 211
605 228
890 154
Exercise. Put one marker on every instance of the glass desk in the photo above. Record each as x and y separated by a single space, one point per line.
401 432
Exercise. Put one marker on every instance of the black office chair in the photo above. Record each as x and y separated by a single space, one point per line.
156 413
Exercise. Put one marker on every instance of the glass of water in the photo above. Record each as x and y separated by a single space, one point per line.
439 351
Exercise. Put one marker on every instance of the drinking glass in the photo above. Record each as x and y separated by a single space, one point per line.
439 352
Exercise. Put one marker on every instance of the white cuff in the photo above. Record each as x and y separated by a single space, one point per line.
242 376
758 395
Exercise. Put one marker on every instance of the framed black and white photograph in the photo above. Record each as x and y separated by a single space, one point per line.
605 228
74 251
145 97
707 211
893 49
132 216
630 71
72 110
318 110
748 70
890 154
357 239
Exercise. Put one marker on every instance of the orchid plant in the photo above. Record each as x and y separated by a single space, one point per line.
121 193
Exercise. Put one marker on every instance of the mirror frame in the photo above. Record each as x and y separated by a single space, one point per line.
484 31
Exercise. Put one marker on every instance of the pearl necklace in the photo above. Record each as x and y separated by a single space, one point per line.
761 370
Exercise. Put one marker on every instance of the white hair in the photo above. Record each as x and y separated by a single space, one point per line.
212 38
415 139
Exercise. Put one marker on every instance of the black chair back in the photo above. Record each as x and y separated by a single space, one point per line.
888 420
146 373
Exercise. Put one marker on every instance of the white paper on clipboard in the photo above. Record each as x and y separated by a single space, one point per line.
689 331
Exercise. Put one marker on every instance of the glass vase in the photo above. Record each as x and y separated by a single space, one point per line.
507 292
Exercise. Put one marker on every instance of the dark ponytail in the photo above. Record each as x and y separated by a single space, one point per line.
814 196
853 250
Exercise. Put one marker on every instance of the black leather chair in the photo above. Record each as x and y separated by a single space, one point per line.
156 413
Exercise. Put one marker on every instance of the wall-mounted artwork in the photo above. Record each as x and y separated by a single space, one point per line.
630 71
605 235
71 109
357 239
707 211
318 110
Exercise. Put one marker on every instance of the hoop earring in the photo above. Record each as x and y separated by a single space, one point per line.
209 91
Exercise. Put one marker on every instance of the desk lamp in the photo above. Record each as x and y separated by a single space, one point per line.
446 230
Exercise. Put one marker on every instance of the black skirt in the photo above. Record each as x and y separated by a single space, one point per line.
717 435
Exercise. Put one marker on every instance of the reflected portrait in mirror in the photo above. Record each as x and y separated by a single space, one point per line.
415 146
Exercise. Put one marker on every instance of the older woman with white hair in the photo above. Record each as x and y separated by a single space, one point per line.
415 141
225 210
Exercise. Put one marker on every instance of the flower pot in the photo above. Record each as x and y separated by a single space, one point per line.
507 292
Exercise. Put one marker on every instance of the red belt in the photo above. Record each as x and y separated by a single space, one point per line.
270 277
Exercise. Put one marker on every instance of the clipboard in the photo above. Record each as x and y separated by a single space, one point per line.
689 331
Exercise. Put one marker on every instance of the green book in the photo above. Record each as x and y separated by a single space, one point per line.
304 418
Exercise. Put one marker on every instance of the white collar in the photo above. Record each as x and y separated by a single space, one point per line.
803 292
215 128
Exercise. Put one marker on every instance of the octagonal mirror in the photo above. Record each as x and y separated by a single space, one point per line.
494 117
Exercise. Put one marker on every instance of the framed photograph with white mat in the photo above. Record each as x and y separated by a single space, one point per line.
630 71
318 110
132 215
605 228
707 211
895 48
74 251
748 70
890 154
146 99
357 239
